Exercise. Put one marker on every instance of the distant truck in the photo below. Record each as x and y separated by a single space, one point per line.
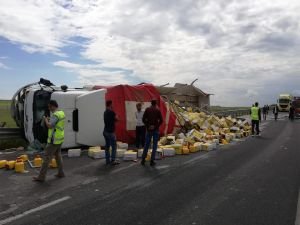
296 105
284 102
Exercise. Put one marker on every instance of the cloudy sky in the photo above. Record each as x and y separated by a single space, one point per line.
241 51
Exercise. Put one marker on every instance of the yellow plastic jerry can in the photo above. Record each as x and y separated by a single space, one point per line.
53 163
193 149
178 149
185 150
38 161
19 166
148 158
224 142
24 158
10 164
3 163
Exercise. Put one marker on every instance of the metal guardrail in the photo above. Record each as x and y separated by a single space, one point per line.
233 113
9 133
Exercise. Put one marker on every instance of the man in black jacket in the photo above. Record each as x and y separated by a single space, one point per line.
152 119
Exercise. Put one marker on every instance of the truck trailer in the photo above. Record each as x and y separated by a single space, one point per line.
296 105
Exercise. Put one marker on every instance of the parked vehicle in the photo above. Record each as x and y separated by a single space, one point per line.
296 104
284 102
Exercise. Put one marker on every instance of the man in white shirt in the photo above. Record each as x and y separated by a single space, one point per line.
140 130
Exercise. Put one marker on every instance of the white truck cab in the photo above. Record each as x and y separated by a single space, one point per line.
83 110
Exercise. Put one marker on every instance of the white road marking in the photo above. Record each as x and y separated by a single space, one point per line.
90 180
123 168
26 213
162 167
204 156
297 220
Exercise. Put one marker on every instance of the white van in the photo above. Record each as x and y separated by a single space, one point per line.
83 109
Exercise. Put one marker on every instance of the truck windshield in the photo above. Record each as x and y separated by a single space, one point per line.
284 101
40 109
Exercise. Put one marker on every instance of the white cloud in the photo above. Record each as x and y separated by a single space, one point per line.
94 74
3 66
235 48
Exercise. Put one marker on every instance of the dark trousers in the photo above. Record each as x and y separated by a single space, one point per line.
110 141
140 132
50 151
149 136
265 116
255 126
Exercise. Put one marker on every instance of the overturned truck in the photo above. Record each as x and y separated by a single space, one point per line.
84 108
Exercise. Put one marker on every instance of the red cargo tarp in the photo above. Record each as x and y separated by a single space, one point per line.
125 98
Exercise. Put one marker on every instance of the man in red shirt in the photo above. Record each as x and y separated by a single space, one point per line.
152 119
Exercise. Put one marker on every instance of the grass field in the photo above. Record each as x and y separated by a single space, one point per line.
5 117
5 113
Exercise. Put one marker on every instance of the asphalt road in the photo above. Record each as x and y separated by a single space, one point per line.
252 182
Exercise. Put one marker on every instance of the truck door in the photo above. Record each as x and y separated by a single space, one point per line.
91 107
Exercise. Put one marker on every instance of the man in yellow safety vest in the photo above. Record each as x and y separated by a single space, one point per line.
55 139
255 118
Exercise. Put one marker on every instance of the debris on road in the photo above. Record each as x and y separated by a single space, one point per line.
96 153
203 132
74 153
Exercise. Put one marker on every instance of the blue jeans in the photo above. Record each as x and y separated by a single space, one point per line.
110 140
149 136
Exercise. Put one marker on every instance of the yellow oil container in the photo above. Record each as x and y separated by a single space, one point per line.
37 161
24 158
226 130
193 149
3 163
10 164
19 166
208 132
185 150
53 163
178 149
224 142
148 158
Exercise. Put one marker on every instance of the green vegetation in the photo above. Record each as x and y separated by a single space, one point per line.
5 113
5 103
12 143
6 117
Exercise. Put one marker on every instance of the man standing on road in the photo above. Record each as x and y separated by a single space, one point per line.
152 119
140 130
275 112
256 118
265 112
55 139
110 118
292 113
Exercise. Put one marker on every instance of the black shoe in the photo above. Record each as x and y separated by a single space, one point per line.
143 162
115 162
36 179
152 163
59 175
